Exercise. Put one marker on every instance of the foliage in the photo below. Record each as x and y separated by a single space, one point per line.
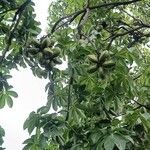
102 98
2 133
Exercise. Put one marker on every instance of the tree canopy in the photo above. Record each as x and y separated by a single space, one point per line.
102 99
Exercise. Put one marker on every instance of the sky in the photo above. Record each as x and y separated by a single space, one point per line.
31 94
41 10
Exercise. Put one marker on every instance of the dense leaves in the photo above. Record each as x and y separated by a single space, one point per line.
102 99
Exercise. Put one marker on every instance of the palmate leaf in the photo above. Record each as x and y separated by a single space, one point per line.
6 97
77 113
31 122
29 142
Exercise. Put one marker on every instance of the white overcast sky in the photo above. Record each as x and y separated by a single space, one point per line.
31 94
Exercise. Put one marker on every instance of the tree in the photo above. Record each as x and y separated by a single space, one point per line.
102 99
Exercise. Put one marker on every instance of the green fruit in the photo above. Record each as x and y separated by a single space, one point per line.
109 64
39 55
33 50
45 43
50 65
57 61
92 69
51 43
35 43
103 56
93 58
48 52
56 52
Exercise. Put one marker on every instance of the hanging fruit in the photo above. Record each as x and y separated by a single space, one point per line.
109 64
92 69
103 56
45 43
33 50
93 58
102 62
35 43
56 52
48 51
57 61
44 52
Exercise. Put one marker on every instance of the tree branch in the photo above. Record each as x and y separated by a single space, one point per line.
77 13
6 11
114 36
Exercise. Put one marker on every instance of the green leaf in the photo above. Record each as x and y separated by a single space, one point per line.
2 132
27 147
12 93
31 126
31 122
95 137
9 101
34 147
119 141
128 138
2 100
80 113
145 122
109 143
27 141
43 110
54 104
26 124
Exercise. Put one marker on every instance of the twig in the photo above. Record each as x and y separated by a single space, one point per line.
113 37
77 13
129 14
21 9
141 105
137 77
6 11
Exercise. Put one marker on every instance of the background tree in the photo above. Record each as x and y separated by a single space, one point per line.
102 99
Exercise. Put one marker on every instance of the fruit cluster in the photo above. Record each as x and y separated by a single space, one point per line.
102 63
45 52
